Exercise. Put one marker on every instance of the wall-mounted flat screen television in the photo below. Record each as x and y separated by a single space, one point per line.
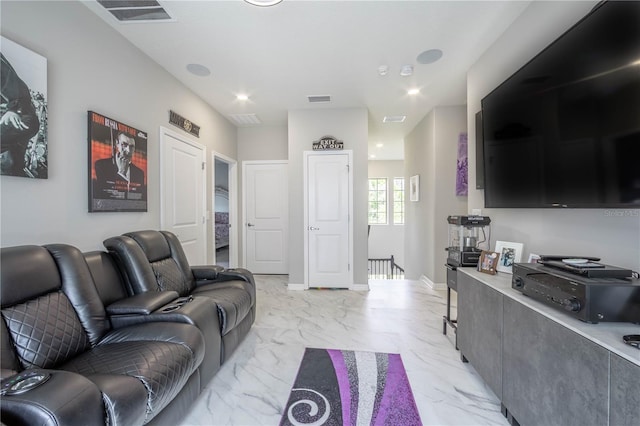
564 130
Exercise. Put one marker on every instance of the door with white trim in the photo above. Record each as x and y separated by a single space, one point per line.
329 205
266 217
182 193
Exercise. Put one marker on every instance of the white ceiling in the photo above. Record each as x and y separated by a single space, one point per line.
279 55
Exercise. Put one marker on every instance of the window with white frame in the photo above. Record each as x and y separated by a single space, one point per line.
398 201
378 201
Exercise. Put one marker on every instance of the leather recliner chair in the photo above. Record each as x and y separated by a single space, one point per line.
55 323
155 261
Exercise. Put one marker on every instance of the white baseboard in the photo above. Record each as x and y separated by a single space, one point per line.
359 287
432 285
296 287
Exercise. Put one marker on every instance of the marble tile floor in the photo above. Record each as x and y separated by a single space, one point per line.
399 316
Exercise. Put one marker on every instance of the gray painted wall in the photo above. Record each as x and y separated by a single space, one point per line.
305 126
431 152
612 234
387 240
91 67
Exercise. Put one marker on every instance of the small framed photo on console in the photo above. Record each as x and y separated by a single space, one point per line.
488 262
510 253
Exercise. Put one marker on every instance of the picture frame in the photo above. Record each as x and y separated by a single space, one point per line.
488 262
510 253
414 188
117 166
23 134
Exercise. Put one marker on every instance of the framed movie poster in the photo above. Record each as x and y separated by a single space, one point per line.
23 112
117 166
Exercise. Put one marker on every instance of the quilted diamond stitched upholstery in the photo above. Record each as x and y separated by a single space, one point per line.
170 277
46 331
162 367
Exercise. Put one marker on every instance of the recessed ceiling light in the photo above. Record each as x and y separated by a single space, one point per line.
199 70
383 70
242 97
413 91
429 56
406 70
379 145
263 3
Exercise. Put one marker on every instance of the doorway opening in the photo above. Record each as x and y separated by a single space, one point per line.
224 211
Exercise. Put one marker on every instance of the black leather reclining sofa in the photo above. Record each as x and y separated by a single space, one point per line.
97 348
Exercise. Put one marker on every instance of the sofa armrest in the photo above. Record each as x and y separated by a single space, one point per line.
65 399
236 274
142 304
206 272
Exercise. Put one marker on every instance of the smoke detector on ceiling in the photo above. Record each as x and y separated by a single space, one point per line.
406 70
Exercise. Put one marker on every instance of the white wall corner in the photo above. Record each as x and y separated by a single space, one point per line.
296 287
432 285
359 287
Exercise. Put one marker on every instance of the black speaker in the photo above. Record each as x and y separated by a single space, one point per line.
479 152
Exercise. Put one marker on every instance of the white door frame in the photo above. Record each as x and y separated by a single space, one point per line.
244 200
233 206
164 132
306 155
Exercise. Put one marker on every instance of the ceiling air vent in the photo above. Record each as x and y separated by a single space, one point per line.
136 10
319 98
245 119
394 118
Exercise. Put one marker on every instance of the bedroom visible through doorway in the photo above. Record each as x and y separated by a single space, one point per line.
224 216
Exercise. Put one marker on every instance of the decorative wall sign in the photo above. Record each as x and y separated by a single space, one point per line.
23 112
186 125
327 143
117 166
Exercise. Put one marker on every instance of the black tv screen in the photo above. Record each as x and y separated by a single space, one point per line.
564 130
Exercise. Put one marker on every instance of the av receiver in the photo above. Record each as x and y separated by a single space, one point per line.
591 300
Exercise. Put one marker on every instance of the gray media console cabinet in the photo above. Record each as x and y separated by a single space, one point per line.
546 367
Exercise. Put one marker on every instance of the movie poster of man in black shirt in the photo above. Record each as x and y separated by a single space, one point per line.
118 165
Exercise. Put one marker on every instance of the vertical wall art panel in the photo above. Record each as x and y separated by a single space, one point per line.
23 112
462 166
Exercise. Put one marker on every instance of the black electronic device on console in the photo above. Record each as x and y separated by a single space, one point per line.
588 267
588 299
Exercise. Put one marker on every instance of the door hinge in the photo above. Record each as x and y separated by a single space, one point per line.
348 168
204 219
203 163
349 267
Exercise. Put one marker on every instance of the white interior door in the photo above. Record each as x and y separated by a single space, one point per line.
266 217
182 186
328 229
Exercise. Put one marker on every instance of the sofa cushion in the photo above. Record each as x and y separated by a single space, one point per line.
233 300
45 331
27 272
163 368
170 277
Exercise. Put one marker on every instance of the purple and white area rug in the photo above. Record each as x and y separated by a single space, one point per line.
341 388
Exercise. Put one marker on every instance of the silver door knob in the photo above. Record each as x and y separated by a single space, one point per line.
250 224
313 228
